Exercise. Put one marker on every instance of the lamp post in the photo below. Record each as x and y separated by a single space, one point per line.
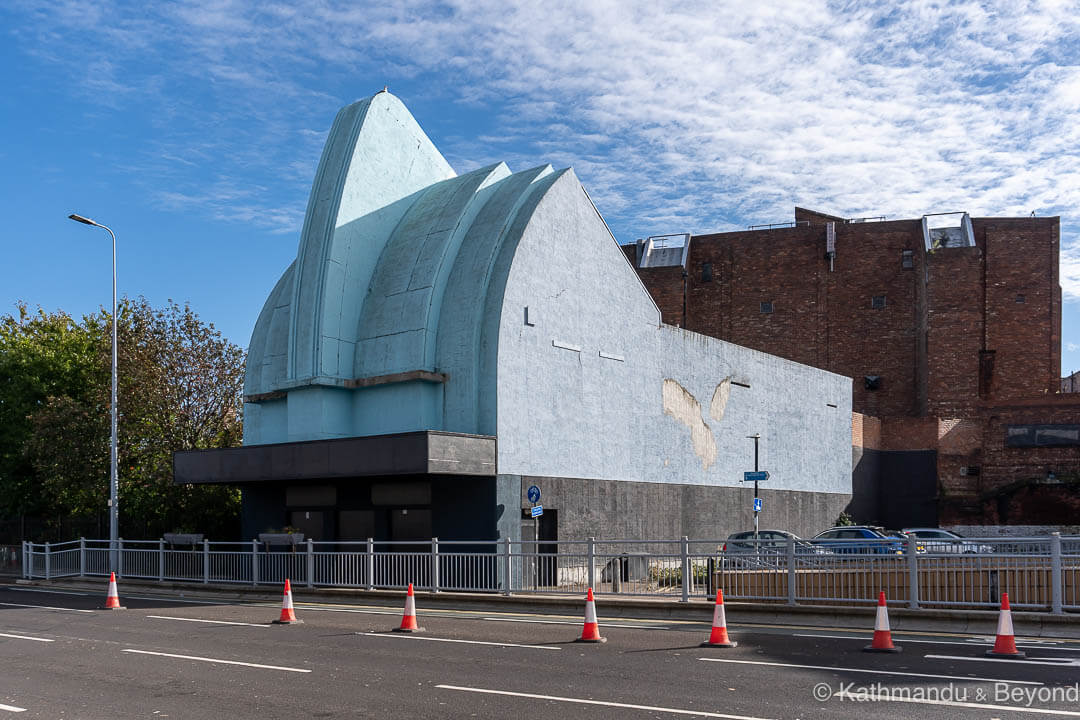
114 530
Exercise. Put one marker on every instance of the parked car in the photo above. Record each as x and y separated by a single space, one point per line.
937 540
842 540
767 549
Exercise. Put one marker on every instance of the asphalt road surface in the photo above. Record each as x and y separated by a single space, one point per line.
172 657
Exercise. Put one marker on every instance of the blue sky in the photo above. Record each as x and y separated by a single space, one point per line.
194 128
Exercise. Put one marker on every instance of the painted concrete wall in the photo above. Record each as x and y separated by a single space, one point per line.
594 388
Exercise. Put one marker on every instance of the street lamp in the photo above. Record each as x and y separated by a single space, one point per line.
113 519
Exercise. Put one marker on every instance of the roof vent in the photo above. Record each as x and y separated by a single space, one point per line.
947 230
664 251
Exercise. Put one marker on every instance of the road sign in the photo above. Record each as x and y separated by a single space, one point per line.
534 494
755 476
757 504
537 510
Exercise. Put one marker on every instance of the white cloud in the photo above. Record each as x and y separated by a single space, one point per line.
696 116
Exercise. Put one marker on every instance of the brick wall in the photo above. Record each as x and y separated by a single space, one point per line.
1022 264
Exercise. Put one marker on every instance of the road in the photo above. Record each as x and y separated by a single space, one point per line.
189 658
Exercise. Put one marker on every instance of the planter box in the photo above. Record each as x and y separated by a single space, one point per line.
183 538
281 538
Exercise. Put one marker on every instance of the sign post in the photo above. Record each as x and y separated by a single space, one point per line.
537 511
756 476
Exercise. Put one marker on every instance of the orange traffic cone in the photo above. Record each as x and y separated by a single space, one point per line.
1005 644
590 633
882 641
719 637
408 620
112 598
288 616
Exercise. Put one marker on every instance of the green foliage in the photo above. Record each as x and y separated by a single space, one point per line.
844 520
180 388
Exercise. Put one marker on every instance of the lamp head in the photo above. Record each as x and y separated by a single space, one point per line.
83 220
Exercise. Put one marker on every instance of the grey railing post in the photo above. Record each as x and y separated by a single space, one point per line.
205 561
370 564
120 557
254 561
310 569
82 557
1055 573
686 579
25 564
913 572
161 560
792 577
48 563
507 566
592 563
434 564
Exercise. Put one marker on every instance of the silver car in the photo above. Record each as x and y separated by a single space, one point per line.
936 540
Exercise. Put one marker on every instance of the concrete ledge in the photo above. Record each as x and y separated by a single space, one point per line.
983 622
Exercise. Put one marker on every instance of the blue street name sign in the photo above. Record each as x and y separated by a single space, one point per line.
537 510
757 504
534 494
758 476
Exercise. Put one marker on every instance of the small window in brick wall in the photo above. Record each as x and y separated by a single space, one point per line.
766 307
706 272
877 302
907 261
1021 299
872 382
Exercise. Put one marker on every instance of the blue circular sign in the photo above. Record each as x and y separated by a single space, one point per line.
534 494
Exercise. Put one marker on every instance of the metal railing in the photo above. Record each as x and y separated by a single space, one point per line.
1041 574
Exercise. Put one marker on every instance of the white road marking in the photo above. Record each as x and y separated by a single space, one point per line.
216 660
51 592
12 708
1059 662
953 703
967 643
26 637
46 607
576 622
200 620
872 672
583 701
468 642
183 600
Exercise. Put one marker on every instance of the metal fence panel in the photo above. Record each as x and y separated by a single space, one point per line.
1038 573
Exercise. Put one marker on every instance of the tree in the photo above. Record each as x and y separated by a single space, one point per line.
180 388
42 356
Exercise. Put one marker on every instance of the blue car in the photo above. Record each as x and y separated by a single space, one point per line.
859 539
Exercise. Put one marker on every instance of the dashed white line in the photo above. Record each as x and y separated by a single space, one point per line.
872 672
51 592
605 703
843 695
200 620
26 637
216 660
965 643
1058 662
467 642
46 607
12 708
575 622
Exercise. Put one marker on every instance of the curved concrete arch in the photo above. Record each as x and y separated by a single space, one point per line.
458 344
400 315
375 158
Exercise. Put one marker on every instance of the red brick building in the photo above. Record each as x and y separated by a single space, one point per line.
950 327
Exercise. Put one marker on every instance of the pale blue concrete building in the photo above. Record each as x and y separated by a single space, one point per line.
441 342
